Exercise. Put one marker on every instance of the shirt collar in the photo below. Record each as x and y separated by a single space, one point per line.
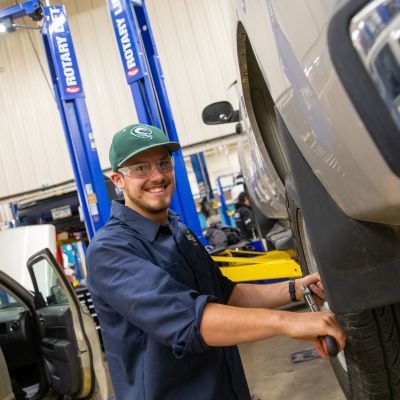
140 224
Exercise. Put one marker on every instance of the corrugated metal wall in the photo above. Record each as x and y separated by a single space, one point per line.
195 47
193 41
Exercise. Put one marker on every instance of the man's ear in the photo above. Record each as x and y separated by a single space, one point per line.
118 180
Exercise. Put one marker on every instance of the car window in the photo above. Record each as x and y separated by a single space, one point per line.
48 283
7 300
11 309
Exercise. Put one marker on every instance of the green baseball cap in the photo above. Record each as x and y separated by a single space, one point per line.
134 139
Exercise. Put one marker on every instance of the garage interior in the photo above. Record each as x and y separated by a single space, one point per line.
38 179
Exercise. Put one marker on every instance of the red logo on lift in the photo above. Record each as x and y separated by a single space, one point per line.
73 89
133 71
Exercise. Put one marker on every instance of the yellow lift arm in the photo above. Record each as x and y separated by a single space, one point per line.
244 266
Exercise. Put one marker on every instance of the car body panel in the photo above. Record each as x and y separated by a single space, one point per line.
262 181
6 392
293 55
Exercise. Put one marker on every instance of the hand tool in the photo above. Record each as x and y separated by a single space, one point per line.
328 342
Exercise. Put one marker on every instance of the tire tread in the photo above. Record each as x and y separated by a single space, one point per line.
372 349
372 354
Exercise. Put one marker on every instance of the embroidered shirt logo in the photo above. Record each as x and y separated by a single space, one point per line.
142 132
192 239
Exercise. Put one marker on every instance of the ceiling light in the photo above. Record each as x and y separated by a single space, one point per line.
6 25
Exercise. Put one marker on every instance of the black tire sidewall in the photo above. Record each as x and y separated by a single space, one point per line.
294 214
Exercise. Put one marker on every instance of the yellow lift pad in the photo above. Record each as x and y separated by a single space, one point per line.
245 266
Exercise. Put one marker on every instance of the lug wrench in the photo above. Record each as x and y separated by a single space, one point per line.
328 342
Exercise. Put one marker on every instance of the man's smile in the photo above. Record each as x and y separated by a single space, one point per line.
157 189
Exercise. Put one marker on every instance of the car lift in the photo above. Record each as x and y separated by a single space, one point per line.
145 79
247 266
203 180
71 104
224 209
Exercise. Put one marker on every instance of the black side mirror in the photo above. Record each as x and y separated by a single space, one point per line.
220 112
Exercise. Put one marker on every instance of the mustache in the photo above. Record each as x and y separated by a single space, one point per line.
163 181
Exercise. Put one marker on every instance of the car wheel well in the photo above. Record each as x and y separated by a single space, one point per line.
258 102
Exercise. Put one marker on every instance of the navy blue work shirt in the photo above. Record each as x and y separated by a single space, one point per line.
150 284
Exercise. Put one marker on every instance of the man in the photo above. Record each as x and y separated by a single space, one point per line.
170 320
244 217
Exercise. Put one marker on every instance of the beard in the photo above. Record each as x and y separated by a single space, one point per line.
147 203
155 209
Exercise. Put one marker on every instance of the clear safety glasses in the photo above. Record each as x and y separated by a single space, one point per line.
146 168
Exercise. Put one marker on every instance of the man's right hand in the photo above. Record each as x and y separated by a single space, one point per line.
223 325
312 326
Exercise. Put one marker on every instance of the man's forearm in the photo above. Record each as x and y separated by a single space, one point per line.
274 295
260 296
223 325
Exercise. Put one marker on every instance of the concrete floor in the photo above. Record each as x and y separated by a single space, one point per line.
272 375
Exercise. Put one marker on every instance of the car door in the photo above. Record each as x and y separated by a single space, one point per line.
22 372
6 392
69 340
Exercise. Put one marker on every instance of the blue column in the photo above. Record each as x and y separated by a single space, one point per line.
71 104
144 75
224 209
203 180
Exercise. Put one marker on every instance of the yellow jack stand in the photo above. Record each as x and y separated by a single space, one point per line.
244 266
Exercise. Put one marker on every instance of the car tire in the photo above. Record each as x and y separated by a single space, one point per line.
372 354
369 367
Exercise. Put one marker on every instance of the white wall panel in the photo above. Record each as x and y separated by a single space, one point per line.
31 135
108 96
193 42
32 151
195 49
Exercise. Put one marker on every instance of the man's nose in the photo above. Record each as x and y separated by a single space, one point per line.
155 173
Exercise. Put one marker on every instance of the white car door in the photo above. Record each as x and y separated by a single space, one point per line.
69 339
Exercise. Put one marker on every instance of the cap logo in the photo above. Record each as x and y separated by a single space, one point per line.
142 132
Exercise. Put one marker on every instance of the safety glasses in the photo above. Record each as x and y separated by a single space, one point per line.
146 168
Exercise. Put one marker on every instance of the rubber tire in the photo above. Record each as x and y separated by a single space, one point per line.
372 349
372 354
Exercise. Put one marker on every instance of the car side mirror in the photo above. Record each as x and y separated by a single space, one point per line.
220 112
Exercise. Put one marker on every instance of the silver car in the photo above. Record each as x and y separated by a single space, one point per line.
319 86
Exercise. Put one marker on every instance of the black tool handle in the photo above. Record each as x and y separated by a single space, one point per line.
330 346
328 342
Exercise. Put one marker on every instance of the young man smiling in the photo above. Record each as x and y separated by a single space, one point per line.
170 320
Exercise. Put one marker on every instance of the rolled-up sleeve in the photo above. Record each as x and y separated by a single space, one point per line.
226 285
149 297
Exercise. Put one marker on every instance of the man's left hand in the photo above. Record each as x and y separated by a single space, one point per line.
313 281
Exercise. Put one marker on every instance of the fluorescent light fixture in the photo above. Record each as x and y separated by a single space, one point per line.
6 25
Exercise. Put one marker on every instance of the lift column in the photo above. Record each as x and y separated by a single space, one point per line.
224 209
203 180
145 78
71 104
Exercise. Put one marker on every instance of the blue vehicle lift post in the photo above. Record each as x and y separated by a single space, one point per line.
71 104
145 78
203 180
224 209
